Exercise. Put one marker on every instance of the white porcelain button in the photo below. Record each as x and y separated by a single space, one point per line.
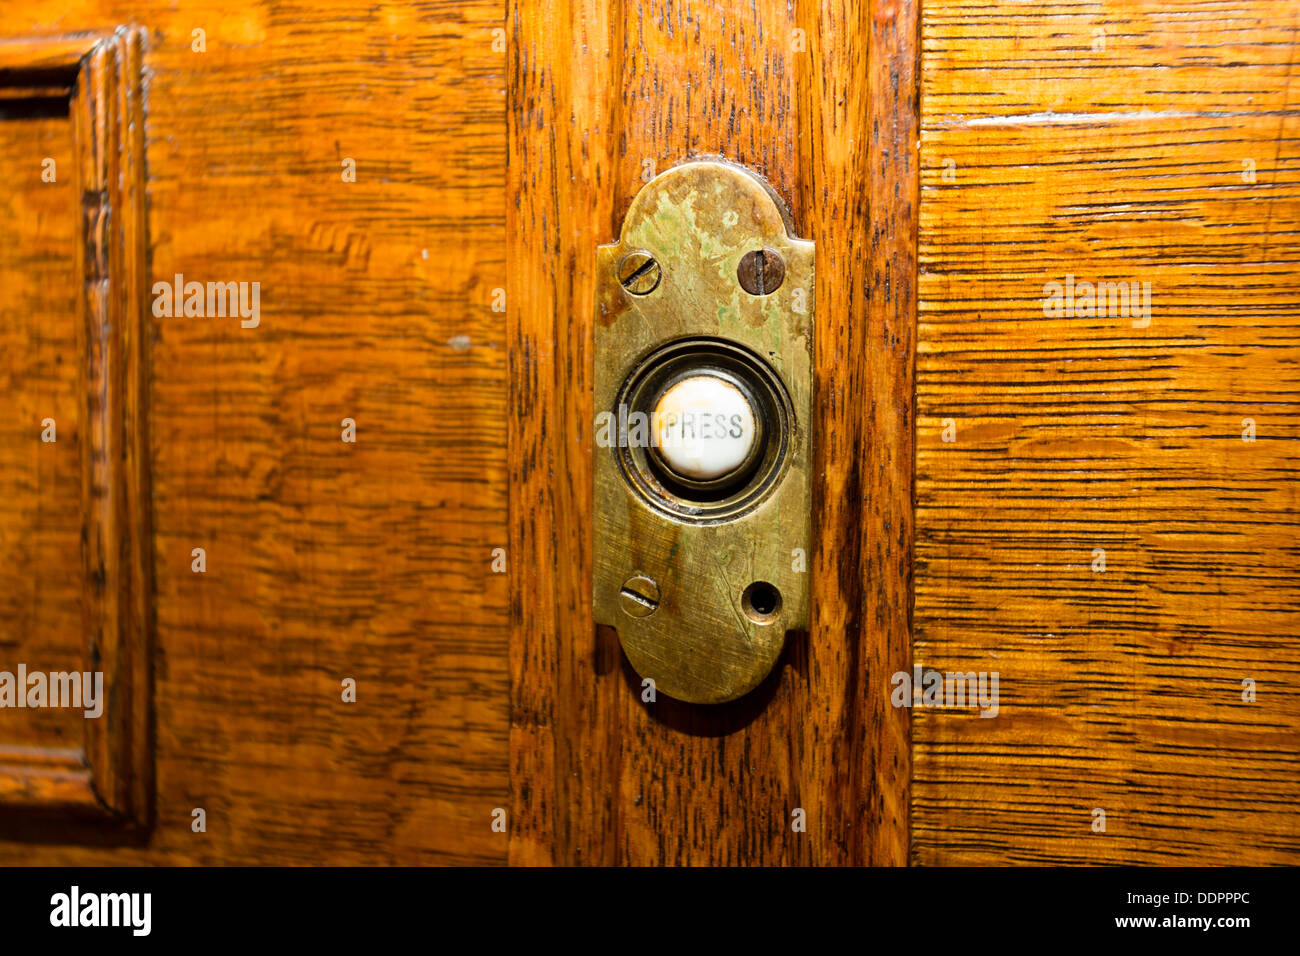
705 427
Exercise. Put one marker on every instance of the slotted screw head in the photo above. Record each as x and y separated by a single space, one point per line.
639 597
639 273
761 272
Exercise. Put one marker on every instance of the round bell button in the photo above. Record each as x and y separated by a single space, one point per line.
705 428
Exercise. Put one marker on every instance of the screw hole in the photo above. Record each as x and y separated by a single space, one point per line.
761 602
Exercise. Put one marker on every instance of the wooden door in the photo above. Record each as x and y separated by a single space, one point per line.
349 160
326 526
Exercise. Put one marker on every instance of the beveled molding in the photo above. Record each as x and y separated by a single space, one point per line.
111 779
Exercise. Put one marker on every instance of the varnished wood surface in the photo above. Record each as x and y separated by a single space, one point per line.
860 171
113 350
102 765
325 560
40 482
1120 690
599 98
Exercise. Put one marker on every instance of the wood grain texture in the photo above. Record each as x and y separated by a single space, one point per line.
860 175
325 560
561 147
1163 150
112 354
40 482
102 766
1062 143
600 99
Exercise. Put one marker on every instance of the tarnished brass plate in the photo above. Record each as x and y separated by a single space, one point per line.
702 592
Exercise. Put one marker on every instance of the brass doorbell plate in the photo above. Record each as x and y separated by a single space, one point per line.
703 449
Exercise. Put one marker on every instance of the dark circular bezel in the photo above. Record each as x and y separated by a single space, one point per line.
741 491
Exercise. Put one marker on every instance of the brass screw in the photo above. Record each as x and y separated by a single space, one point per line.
761 272
639 273
639 597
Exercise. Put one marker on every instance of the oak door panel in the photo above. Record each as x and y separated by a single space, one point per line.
325 560
812 767
1109 522
40 480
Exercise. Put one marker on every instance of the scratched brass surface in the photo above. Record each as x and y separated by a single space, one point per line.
698 645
